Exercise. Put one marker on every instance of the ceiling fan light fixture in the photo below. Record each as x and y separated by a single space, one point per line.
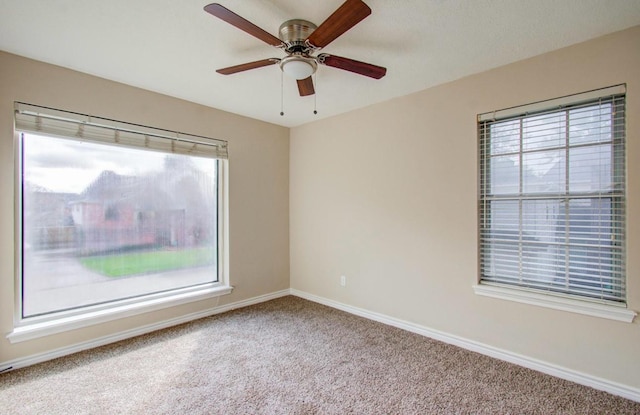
298 67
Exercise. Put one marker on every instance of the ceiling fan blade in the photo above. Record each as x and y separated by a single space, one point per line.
361 68
246 66
344 18
305 87
241 23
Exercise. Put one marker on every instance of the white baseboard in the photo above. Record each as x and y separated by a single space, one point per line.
524 361
112 338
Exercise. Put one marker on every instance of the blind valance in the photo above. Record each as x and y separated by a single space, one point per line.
70 125
552 105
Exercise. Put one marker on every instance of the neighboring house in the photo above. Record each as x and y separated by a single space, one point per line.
51 213
117 212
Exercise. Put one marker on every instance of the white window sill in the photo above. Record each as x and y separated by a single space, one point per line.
33 328
612 312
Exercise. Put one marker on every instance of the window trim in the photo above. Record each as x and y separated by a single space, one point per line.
549 299
41 326
34 327
555 301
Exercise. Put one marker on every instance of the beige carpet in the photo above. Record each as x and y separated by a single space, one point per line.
291 356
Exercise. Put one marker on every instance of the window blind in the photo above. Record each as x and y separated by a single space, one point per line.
70 125
552 196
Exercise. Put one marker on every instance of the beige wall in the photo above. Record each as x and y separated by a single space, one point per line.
387 196
259 185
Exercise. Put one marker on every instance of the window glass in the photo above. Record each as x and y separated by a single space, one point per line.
102 223
544 172
543 131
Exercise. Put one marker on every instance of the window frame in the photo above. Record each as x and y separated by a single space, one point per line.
521 293
33 327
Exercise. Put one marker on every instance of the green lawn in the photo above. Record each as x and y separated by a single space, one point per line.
120 265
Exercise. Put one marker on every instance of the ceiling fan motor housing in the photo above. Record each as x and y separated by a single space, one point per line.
294 33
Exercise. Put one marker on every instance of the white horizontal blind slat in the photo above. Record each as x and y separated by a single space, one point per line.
552 196
74 126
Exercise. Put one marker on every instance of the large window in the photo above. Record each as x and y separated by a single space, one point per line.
114 214
552 197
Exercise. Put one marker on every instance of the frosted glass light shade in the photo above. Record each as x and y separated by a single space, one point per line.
298 69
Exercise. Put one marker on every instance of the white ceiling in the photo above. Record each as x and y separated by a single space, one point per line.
174 47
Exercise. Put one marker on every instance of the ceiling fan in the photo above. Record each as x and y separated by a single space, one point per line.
300 39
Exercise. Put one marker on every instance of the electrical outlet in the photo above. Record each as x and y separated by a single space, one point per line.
343 280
